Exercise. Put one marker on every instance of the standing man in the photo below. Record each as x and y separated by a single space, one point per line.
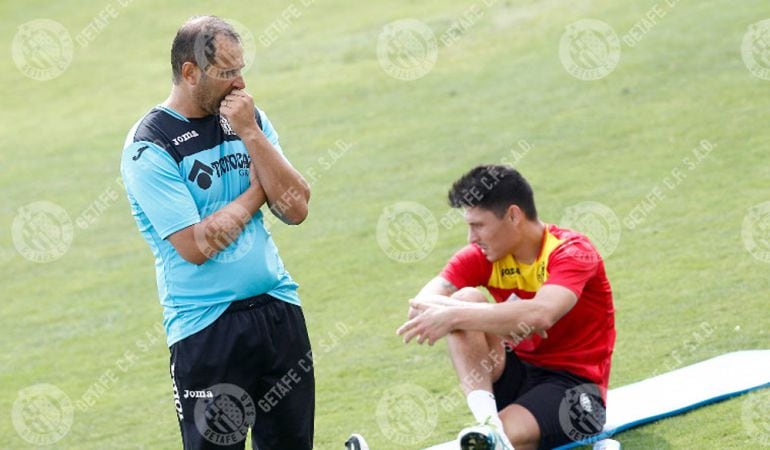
534 365
197 170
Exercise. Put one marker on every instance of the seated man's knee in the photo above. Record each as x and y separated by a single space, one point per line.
470 294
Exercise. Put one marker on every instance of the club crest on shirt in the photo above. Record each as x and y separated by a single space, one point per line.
541 272
225 124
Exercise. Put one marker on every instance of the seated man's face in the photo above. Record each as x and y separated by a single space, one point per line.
491 233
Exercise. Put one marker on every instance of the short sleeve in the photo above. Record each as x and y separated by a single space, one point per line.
467 268
156 187
572 264
270 133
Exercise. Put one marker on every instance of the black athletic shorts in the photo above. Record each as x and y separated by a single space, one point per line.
567 407
251 368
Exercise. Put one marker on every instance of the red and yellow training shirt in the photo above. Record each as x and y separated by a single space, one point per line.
581 342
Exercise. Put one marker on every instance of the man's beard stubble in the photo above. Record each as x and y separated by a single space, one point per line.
206 99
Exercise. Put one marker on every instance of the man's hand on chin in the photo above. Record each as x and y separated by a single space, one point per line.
238 108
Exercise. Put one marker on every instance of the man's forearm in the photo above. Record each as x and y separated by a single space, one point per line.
200 242
513 319
437 286
287 191
223 227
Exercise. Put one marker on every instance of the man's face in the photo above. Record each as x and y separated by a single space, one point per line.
221 77
494 235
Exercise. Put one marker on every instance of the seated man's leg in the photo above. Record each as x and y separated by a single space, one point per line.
478 357
528 398
554 409
520 425
483 364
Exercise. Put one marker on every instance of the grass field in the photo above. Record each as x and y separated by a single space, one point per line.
686 285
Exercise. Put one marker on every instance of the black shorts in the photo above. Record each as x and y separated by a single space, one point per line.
251 368
566 407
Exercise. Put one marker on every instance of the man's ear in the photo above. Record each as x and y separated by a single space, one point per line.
191 73
514 214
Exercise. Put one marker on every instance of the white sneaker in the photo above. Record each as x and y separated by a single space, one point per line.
356 442
482 437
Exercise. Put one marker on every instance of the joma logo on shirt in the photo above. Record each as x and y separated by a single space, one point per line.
185 137
505 271
202 172
198 394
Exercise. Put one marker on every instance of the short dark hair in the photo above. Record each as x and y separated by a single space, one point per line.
195 42
493 187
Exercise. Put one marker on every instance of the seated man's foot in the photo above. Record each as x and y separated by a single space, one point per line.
483 437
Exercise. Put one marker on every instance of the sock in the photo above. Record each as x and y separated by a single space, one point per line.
483 406
484 409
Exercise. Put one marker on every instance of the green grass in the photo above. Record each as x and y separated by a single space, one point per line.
70 322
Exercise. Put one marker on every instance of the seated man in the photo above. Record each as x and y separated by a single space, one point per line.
534 365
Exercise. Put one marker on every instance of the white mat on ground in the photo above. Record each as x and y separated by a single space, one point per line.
678 391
